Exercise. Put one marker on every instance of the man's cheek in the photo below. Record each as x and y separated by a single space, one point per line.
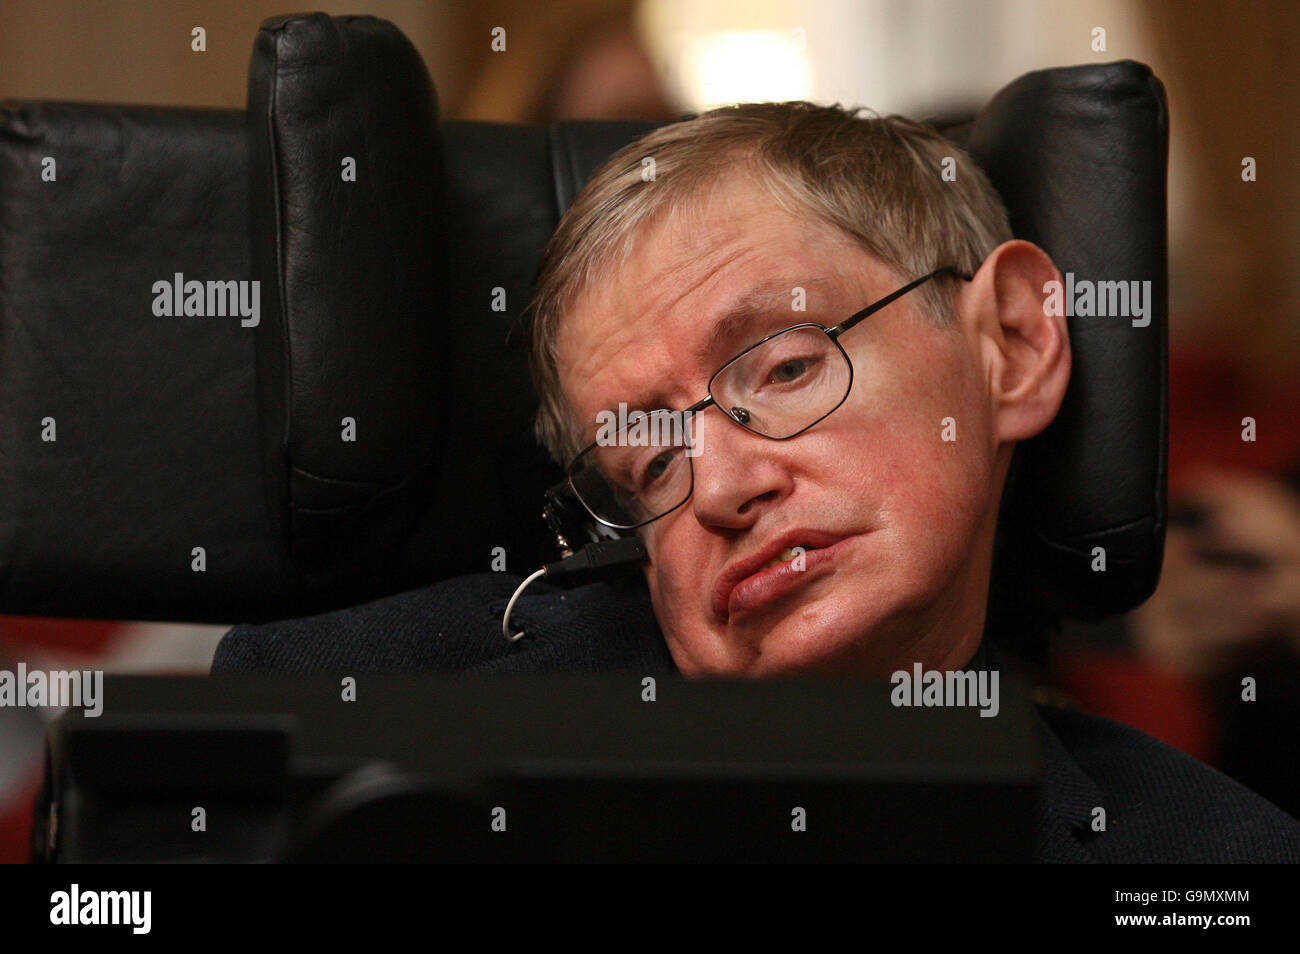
672 612
931 490
668 593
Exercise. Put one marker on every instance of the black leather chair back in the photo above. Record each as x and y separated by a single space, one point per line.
377 305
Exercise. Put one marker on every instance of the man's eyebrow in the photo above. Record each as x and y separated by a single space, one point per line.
765 299
731 327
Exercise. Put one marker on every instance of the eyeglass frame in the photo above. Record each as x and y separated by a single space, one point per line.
703 404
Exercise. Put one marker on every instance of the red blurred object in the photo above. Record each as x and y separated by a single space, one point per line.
1209 394
57 635
1120 687
16 823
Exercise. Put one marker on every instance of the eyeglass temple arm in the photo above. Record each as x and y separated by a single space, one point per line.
871 309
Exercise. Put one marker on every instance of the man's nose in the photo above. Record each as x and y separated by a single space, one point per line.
738 474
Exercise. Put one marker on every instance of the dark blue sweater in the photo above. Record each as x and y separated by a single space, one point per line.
1161 805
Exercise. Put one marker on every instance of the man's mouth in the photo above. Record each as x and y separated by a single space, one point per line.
778 567
786 555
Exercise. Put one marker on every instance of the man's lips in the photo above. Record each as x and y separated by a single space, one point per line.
746 584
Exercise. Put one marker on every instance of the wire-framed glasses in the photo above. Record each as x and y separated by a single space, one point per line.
779 387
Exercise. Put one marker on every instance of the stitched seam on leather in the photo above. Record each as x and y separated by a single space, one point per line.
342 508
280 271
556 154
1155 90
338 480
1092 536
575 183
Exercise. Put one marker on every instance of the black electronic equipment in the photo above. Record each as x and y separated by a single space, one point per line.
534 768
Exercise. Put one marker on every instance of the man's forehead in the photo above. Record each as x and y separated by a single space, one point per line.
684 249
771 296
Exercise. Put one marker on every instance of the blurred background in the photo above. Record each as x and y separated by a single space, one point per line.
1228 605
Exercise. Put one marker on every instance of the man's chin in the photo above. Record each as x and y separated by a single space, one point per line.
829 644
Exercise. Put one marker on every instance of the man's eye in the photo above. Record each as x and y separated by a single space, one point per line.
789 371
657 468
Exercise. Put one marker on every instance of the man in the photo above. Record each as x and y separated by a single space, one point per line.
715 254
853 344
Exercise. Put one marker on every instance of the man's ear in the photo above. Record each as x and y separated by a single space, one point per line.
1025 351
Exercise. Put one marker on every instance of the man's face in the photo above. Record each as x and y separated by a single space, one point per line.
900 518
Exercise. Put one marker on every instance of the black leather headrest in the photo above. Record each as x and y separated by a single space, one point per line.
347 225
1079 156
162 498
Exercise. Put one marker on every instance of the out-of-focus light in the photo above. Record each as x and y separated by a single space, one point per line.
745 66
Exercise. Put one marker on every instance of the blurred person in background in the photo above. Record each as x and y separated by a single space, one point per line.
1211 662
